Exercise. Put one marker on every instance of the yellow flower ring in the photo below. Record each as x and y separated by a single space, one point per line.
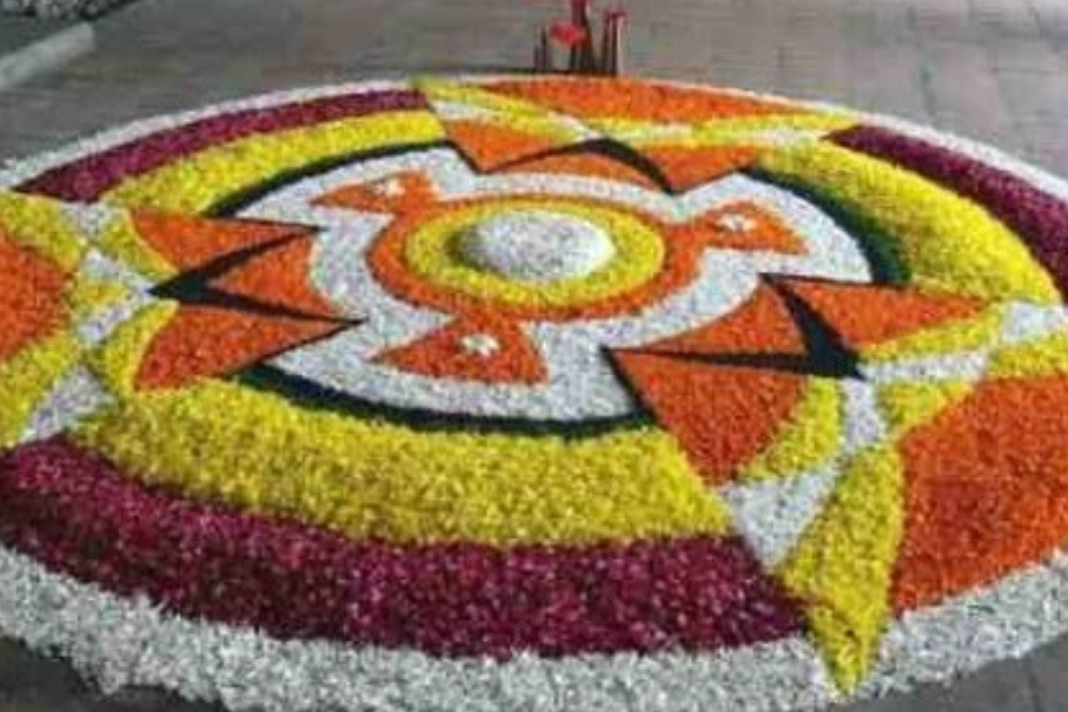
532 392
436 258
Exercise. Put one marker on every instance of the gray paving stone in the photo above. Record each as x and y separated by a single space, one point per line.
1004 687
38 704
1049 675
141 699
930 698
962 80
29 48
36 682
14 145
1035 96
888 82
18 32
1043 134
1025 55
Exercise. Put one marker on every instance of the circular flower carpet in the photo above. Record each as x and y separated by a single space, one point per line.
519 393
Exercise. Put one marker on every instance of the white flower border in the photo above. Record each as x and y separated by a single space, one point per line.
581 384
131 642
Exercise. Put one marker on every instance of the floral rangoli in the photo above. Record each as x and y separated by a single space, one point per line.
531 393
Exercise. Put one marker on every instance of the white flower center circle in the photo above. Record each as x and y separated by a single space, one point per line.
536 246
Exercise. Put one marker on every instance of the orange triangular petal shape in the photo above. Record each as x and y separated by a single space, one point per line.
31 297
987 490
722 417
687 168
864 314
490 145
279 277
585 164
207 341
761 231
399 193
188 242
636 100
473 349
762 324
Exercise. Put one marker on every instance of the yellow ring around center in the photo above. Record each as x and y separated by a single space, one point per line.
432 253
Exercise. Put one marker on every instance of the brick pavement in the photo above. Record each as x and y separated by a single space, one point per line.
994 70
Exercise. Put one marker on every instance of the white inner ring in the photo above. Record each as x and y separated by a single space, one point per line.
581 384
536 246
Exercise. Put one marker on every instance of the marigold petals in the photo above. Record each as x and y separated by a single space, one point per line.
987 489
951 244
117 361
583 164
908 405
26 379
491 145
722 416
403 485
179 188
843 565
742 226
762 325
496 381
41 225
808 439
279 277
636 99
686 168
204 341
479 349
31 298
1046 356
399 193
866 316
121 240
188 242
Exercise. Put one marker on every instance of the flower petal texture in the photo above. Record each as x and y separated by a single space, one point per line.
531 393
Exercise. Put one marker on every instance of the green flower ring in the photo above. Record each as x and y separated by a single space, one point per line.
533 393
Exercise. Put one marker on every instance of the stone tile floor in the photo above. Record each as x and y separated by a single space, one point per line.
17 32
994 70
29 47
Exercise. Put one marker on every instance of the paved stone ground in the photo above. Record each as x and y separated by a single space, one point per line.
995 70
30 47
17 32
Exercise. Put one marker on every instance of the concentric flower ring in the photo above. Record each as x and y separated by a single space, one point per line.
533 393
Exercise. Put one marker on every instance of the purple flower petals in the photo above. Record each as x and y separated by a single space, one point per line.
75 513
88 178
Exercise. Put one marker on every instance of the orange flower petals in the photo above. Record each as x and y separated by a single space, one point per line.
480 349
584 164
687 168
31 300
541 314
206 341
762 325
388 263
279 277
637 100
398 193
864 315
188 242
723 417
492 145
742 226
987 489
